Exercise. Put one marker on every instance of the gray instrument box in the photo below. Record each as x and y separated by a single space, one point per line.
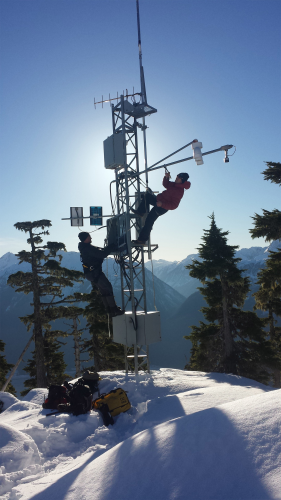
148 329
114 152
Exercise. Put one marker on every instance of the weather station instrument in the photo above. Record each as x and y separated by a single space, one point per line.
138 328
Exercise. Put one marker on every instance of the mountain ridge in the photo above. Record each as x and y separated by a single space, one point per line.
13 305
178 310
177 276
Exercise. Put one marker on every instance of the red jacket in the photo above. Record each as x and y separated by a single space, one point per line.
171 198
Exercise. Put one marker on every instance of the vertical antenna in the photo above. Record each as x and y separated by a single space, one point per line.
143 93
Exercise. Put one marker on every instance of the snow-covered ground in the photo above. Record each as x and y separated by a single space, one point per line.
188 435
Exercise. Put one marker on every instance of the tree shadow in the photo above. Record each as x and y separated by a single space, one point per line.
198 457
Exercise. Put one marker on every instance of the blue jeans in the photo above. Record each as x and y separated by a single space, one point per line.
155 212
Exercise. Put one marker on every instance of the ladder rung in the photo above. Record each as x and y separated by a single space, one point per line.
139 356
138 290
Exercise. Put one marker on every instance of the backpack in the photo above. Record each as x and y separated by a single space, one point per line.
57 395
80 399
112 404
92 380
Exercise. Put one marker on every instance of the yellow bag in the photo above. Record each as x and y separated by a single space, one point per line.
116 401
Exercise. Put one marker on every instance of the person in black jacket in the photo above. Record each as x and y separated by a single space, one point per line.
92 258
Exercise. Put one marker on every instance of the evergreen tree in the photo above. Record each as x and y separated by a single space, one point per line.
4 370
268 225
30 282
54 363
268 297
73 313
272 172
107 355
54 358
233 340
46 279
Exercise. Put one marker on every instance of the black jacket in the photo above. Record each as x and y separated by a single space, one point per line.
93 256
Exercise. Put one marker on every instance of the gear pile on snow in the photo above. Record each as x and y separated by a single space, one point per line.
112 404
73 398
77 398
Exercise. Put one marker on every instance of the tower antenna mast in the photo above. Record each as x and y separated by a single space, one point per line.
143 92
138 327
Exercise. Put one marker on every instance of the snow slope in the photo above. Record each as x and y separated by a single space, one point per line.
188 435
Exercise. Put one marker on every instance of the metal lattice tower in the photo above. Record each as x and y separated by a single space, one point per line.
137 327
128 194
125 116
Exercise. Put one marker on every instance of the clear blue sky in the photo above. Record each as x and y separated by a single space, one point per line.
213 71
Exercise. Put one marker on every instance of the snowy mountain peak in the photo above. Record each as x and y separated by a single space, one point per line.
274 246
7 260
253 253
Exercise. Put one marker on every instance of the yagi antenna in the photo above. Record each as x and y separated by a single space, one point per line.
116 98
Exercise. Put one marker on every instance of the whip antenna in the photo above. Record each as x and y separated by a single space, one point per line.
143 91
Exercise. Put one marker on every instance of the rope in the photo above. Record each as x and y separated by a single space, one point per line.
143 184
233 152
153 284
108 324
112 206
94 230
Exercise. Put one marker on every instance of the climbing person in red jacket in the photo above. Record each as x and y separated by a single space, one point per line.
168 200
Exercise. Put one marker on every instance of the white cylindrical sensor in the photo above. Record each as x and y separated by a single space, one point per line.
197 154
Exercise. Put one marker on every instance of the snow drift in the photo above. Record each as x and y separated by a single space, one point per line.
188 435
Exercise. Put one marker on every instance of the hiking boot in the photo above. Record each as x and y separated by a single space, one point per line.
112 307
138 243
136 212
117 311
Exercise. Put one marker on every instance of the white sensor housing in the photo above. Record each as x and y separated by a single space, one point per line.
197 155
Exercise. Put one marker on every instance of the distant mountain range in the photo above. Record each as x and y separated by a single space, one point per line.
170 353
13 305
177 276
174 291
